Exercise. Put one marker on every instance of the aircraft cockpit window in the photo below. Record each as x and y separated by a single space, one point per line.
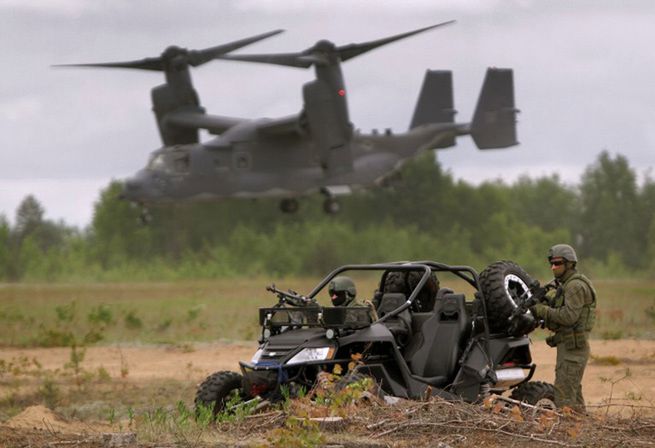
181 162
157 163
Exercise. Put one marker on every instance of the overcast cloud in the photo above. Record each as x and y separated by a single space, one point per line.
584 79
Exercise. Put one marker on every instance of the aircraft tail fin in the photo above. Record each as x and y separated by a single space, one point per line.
435 102
494 120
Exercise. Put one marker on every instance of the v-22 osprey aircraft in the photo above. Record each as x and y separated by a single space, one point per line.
316 150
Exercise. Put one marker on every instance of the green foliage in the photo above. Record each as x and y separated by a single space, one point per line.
50 392
297 433
132 321
425 214
609 194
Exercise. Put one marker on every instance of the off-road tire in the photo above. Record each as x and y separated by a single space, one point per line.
216 389
497 299
534 392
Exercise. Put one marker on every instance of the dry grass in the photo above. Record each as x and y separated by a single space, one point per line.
369 423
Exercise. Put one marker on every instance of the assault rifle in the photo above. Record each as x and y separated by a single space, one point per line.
534 294
291 297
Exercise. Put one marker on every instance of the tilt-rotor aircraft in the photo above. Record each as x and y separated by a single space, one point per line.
316 150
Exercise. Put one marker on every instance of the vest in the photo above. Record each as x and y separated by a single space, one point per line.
588 314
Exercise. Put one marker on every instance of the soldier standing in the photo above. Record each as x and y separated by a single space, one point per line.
570 314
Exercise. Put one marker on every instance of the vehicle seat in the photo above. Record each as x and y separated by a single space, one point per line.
440 293
436 358
401 324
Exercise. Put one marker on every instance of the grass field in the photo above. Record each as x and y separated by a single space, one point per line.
226 309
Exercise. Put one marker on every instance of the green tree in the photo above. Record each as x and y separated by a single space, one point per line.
609 221
545 202
5 253
116 235
29 216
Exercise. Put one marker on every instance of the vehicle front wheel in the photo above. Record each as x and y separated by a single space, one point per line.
218 389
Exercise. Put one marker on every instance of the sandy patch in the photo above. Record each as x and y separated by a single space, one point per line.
194 363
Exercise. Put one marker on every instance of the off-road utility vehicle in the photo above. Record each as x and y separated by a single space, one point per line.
412 346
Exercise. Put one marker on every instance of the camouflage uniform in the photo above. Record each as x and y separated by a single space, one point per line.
343 292
571 316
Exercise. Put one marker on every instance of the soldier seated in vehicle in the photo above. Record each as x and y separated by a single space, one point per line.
405 282
343 292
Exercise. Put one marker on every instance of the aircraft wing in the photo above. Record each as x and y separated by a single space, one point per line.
280 126
215 124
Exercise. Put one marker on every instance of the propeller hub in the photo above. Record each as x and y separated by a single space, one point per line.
173 51
325 46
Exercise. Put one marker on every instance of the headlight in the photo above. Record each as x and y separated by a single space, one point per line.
312 354
256 356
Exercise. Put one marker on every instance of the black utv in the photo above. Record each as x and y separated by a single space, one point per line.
420 340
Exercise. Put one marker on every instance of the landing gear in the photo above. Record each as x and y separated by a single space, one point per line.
145 217
289 205
331 206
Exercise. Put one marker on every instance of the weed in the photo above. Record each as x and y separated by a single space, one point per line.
77 355
164 325
611 335
194 312
21 365
236 409
111 416
204 415
650 312
605 360
125 369
130 416
297 433
50 392
101 315
635 396
66 313
184 347
103 375
132 321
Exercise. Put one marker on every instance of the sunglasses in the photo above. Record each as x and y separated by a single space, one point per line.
557 263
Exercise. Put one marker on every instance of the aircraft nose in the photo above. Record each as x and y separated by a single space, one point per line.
131 189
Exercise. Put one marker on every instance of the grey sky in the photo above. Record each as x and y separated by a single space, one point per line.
584 77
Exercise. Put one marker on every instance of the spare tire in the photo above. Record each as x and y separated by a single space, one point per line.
502 283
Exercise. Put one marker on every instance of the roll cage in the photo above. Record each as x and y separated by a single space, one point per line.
332 317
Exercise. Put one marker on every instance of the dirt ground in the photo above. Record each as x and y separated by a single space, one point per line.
610 362
629 364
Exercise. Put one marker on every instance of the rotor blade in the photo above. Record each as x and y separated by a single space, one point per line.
350 51
156 64
194 57
300 60
199 57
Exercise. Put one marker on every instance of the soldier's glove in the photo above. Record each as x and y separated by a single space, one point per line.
539 310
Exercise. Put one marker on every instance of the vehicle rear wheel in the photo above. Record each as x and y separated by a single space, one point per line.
331 206
536 393
218 389
289 205
502 283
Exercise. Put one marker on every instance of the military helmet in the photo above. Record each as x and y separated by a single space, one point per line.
563 251
342 289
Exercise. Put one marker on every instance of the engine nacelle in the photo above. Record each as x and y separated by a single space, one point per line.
166 99
326 112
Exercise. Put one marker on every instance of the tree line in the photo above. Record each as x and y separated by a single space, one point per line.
425 214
